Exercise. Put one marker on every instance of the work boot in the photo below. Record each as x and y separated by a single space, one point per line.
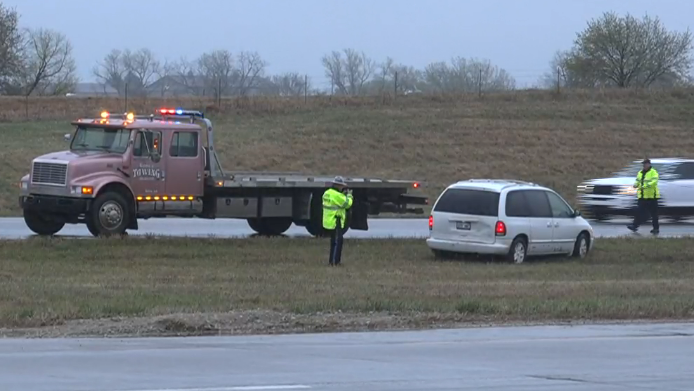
632 228
655 231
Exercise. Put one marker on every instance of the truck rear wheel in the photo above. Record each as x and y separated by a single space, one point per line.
270 226
40 225
109 215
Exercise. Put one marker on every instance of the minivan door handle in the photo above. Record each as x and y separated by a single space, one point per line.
549 224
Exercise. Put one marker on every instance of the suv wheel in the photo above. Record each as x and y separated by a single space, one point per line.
518 251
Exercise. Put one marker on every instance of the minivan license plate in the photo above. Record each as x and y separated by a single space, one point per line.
464 225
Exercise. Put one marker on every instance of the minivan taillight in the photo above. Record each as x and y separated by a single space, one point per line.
431 222
500 228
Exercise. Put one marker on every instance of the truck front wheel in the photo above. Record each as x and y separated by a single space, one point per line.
40 225
109 215
274 226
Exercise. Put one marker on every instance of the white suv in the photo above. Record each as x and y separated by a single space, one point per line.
615 196
506 217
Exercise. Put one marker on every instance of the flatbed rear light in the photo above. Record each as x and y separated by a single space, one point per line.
500 228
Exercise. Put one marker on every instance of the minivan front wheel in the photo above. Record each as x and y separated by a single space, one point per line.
581 246
518 251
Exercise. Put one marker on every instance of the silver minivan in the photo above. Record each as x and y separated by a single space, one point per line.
511 218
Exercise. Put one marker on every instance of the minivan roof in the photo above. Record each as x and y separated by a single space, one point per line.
492 184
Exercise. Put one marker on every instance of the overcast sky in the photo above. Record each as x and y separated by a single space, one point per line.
292 35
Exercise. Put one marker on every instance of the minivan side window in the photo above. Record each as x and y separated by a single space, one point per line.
469 202
538 203
516 206
559 208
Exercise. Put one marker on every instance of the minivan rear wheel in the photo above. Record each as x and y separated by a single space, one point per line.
518 251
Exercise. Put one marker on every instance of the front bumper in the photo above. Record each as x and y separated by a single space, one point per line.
54 204
607 204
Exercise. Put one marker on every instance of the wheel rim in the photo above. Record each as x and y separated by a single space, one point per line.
519 253
583 248
111 215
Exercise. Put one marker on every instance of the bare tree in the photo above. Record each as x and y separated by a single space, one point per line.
186 74
625 51
49 65
348 74
467 75
250 67
290 84
11 41
217 69
141 67
111 71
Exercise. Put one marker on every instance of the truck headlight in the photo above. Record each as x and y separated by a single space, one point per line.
626 190
24 185
82 190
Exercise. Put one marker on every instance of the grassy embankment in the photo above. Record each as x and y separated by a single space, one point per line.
213 286
555 140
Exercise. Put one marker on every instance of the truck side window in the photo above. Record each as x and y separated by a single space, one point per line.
184 144
146 142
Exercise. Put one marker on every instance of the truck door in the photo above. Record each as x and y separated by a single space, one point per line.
185 163
148 176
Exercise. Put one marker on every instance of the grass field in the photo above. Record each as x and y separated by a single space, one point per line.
553 139
202 286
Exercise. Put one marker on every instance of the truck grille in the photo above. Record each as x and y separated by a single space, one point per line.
602 190
49 173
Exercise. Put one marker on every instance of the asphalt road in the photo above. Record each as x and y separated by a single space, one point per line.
15 228
547 358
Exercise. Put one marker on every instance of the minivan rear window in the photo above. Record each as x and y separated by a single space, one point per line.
469 202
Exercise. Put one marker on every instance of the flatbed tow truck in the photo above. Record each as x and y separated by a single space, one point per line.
123 167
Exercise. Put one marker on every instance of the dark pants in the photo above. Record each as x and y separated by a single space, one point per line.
645 208
336 244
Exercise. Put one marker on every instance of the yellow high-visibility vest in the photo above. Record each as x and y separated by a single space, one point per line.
335 204
649 189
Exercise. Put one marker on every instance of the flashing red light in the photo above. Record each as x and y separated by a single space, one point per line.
167 111
415 185
431 222
500 228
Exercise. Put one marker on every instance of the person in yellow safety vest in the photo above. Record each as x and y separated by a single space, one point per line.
647 191
336 200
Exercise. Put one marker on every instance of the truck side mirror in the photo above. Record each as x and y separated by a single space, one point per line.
154 155
67 137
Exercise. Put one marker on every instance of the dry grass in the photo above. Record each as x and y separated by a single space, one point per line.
556 140
266 285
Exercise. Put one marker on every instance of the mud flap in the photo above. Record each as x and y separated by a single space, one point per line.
359 216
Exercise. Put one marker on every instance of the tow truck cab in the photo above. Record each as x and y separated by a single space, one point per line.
123 167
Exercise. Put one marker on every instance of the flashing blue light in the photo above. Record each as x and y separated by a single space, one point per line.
179 112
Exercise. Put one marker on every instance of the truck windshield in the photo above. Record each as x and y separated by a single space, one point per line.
100 139
634 168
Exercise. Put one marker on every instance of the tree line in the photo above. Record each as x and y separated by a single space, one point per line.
612 51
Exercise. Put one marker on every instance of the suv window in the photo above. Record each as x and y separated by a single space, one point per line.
684 171
469 202
537 203
559 208
184 144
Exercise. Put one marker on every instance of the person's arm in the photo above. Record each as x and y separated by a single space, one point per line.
342 201
653 181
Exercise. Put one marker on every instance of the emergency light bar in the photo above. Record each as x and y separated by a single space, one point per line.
179 111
